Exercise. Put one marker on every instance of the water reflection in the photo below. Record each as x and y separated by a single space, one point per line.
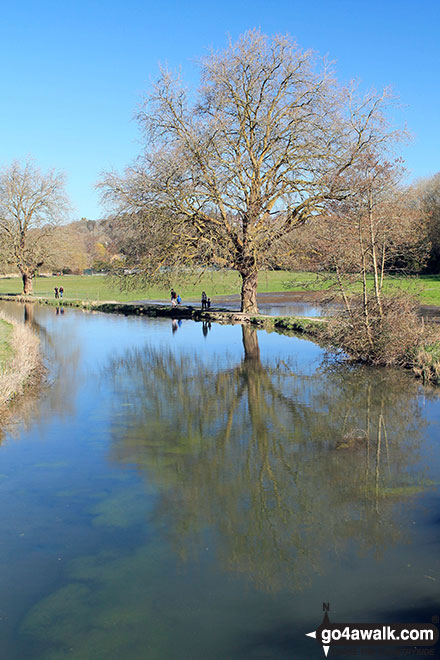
278 470
206 327
23 411
19 413
233 464
62 357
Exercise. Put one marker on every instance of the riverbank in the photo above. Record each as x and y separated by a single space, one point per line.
20 358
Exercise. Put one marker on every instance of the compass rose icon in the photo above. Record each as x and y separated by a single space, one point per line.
325 622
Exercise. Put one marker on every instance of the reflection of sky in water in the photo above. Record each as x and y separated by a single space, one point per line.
283 309
294 309
136 523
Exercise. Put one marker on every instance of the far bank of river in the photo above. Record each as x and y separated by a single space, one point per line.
306 303
218 313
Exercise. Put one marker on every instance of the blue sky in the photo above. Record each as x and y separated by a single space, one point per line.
73 73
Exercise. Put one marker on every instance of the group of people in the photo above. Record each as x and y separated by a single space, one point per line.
206 302
175 298
59 292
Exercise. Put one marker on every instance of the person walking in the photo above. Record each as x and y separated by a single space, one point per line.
61 291
204 300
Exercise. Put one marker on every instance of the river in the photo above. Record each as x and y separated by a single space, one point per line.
191 491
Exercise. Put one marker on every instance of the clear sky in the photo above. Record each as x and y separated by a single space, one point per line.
73 72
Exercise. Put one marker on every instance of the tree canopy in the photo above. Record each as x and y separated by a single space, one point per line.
32 205
231 168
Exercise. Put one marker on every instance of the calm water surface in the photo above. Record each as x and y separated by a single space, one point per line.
195 492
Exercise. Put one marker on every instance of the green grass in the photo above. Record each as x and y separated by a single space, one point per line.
216 283
6 351
96 287
426 288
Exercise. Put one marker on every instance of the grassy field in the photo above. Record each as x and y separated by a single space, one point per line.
217 283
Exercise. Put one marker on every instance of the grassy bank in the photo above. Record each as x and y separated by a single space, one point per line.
216 283
6 352
19 358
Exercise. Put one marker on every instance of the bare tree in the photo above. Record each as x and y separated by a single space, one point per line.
257 151
365 236
428 194
32 204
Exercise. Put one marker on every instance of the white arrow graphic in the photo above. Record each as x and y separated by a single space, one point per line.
324 648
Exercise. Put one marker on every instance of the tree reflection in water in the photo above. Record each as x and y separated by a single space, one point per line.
61 362
274 470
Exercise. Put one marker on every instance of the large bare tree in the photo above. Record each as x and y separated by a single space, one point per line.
428 193
259 148
32 205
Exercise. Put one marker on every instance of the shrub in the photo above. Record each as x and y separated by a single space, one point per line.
390 336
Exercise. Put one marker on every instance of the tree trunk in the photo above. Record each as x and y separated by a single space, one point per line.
365 303
377 290
342 290
249 292
382 267
364 287
27 284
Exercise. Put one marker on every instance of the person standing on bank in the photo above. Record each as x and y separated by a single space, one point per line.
56 291
204 300
61 291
